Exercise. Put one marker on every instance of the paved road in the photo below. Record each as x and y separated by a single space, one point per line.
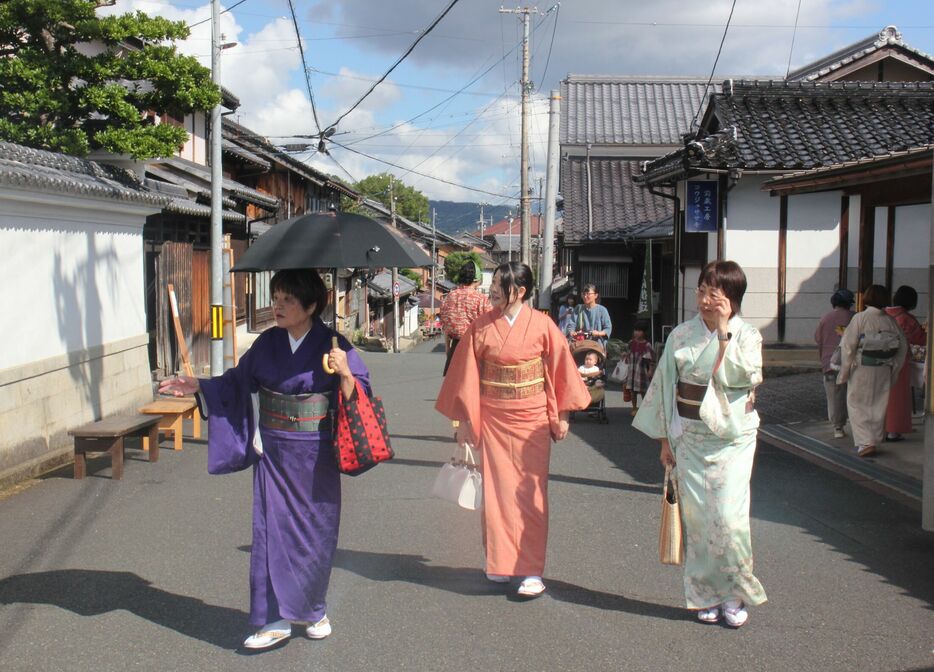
150 573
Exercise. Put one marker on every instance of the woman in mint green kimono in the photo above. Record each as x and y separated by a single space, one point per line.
701 407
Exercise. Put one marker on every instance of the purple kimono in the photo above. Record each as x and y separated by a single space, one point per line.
296 484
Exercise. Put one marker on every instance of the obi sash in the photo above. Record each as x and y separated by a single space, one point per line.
294 412
689 398
517 381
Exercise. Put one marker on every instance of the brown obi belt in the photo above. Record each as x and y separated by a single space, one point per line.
517 381
294 412
689 398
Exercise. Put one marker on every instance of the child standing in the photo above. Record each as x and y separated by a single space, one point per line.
641 360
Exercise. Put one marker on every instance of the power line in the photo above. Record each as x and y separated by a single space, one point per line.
311 96
236 4
432 177
700 104
794 34
554 29
400 59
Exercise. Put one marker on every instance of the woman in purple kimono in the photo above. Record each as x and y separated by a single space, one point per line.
281 387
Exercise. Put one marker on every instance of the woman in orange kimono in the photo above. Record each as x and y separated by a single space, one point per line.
512 385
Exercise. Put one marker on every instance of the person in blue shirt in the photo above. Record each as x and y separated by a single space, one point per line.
590 318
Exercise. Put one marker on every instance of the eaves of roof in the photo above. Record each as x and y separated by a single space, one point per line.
244 155
27 168
234 188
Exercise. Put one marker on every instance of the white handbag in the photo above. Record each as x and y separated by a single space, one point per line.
459 481
620 372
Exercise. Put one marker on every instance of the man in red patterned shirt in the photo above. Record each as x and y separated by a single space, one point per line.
461 307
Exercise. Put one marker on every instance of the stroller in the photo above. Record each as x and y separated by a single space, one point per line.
595 382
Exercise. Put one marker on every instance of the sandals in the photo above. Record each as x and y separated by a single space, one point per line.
711 615
268 636
735 614
531 586
865 451
319 630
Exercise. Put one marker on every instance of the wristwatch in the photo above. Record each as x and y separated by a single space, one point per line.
727 337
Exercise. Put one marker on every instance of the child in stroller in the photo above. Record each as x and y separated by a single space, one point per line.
591 359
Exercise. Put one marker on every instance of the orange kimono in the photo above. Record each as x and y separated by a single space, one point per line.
514 424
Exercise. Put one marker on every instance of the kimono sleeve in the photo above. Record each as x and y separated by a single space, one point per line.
564 387
654 415
848 345
230 415
459 398
741 366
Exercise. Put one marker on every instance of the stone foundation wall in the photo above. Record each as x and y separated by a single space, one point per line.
41 401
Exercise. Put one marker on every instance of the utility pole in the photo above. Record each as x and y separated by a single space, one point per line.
217 227
433 267
551 195
927 471
395 276
525 232
481 220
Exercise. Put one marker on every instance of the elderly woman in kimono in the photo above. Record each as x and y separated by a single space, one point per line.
872 353
271 411
512 385
700 406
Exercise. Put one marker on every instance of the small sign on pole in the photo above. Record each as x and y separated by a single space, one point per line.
701 207
395 290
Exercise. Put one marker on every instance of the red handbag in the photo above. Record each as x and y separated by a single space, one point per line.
361 439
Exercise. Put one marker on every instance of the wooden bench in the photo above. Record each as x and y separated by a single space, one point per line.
107 435
173 410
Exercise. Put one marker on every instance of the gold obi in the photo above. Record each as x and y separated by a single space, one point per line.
517 381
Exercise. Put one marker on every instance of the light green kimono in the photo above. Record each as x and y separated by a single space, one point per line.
714 455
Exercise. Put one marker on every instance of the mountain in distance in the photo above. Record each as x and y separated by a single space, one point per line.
455 217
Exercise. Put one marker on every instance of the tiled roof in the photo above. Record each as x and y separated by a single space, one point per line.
628 110
887 37
774 125
620 207
381 284
27 168
232 187
505 226
244 155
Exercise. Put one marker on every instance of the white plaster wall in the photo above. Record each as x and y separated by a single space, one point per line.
752 226
880 234
912 251
72 273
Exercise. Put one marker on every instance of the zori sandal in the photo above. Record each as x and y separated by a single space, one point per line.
531 586
709 615
319 630
735 614
269 635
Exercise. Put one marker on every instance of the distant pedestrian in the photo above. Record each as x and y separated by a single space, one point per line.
271 412
701 407
641 360
898 415
591 320
566 313
513 386
827 336
461 307
872 350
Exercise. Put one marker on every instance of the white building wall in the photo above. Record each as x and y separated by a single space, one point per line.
812 262
75 340
912 250
752 242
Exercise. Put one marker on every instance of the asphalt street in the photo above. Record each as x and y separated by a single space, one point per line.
150 573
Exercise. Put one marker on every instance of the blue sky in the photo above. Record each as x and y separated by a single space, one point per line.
472 140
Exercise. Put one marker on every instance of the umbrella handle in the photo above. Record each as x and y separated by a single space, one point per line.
324 359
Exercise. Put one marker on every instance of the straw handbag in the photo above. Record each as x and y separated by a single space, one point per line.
670 537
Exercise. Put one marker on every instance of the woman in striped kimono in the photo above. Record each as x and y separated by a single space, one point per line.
700 406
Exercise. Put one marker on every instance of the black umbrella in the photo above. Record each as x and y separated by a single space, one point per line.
341 240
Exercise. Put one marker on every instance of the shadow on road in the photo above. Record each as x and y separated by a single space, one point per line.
94 592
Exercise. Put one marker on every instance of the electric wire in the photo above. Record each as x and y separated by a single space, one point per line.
301 50
398 61
794 34
554 29
726 28
236 4
432 177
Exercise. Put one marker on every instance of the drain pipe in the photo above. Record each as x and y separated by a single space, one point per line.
589 197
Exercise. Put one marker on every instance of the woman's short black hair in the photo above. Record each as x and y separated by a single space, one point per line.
304 284
905 297
512 276
467 274
728 277
876 296
842 298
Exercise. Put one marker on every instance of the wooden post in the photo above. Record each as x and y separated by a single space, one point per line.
844 242
179 334
782 261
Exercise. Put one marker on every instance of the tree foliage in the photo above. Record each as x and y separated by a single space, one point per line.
71 81
455 260
410 202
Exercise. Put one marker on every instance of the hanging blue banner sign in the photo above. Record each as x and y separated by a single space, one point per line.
700 211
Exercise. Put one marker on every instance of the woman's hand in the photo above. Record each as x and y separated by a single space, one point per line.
723 308
464 435
563 425
337 360
666 457
179 386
